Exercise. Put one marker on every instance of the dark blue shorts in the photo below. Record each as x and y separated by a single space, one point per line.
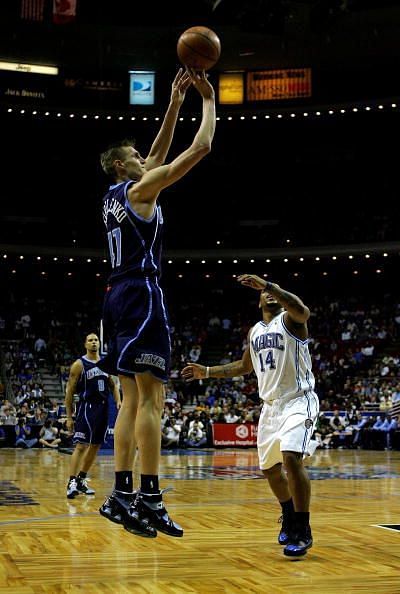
91 422
136 328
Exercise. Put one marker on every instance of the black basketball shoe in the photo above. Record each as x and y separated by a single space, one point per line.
150 509
299 543
116 508
283 536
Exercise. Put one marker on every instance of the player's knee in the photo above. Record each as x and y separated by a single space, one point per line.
292 460
273 471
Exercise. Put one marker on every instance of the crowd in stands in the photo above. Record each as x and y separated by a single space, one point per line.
356 366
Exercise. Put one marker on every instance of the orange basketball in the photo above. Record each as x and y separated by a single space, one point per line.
199 48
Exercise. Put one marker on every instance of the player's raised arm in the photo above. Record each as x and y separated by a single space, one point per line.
152 182
295 308
162 142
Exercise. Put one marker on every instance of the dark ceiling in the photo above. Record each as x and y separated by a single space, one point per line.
254 34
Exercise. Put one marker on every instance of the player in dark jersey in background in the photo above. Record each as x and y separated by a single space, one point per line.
93 386
134 314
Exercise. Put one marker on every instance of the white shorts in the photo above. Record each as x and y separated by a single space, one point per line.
286 426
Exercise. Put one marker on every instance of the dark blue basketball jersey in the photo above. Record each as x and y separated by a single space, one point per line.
93 384
134 242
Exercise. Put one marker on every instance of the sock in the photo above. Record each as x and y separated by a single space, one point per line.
302 520
82 475
124 481
149 484
287 507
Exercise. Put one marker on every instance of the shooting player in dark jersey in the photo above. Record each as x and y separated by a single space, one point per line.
93 386
134 314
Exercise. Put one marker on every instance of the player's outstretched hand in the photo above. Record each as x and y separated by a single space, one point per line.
193 371
253 281
201 83
181 83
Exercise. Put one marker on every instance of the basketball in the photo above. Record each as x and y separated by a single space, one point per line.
199 48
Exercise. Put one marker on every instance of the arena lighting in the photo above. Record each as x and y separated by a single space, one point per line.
97 274
21 257
327 111
301 259
235 261
89 260
180 275
38 258
378 271
71 115
187 261
84 116
334 258
252 261
71 259
351 257
367 256
317 258
29 68
219 261
285 260
203 261
4 255
104 260
194 119
325 274
13 271
385 255
22 111
55 259
207 276
169 261
268 260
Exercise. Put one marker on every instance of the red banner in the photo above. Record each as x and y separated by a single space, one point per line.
233 435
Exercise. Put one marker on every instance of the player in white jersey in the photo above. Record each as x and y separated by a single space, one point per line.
278 353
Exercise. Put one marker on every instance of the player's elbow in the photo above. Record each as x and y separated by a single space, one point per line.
203 149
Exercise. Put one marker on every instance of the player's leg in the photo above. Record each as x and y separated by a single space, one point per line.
116 506
86 463
74 466
148 503
299 484
270 460
279 485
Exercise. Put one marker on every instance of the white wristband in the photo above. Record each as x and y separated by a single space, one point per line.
207 371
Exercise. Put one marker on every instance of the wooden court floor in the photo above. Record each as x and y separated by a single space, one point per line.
50 545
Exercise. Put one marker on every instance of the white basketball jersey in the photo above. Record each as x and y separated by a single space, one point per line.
281 361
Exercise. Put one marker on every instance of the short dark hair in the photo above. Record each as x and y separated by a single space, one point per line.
113 152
